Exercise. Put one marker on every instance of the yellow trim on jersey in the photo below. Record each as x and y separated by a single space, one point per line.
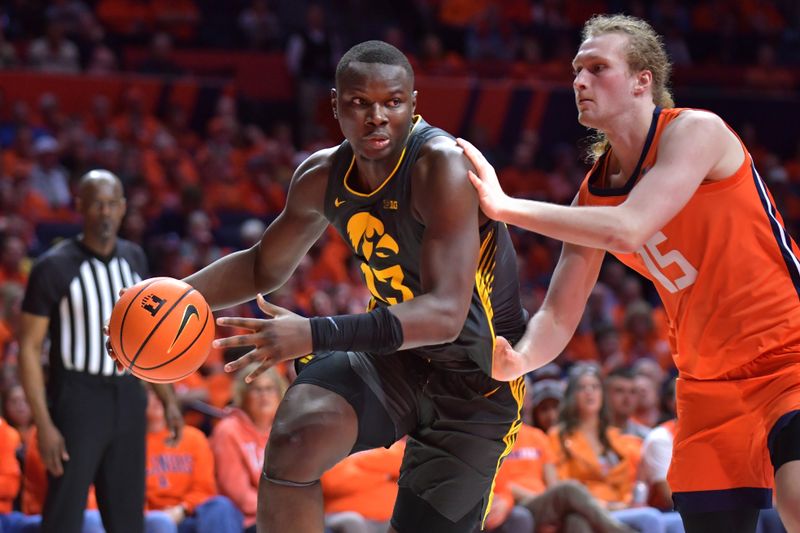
416 121
518 392
484 279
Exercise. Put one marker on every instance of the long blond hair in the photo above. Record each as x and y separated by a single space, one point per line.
644 51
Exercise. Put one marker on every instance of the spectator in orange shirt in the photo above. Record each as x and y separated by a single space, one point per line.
527 490
589 450
545 396
239 440
9 467
180 481
641 337
135 124
14 263
522 176
10 477
360 491
16 410
10 308
34 491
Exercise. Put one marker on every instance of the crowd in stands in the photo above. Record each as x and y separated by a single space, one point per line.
598 422
445 36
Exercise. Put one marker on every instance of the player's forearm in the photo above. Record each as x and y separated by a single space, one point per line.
545 338
32 378
428 320
424 321
602 227
233 279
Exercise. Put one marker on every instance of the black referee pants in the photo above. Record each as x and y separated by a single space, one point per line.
103 424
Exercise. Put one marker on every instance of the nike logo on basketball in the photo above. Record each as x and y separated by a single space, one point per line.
190 311
338 202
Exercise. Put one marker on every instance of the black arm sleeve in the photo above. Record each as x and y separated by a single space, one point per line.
378 331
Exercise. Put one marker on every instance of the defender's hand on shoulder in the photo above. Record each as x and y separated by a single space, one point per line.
493 199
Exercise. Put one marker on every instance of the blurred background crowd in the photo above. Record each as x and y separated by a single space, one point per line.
204 109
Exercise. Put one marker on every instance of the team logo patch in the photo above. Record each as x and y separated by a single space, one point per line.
152 304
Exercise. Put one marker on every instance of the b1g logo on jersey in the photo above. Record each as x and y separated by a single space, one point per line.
152 304
656 262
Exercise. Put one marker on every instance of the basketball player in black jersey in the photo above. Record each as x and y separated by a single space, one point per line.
443 282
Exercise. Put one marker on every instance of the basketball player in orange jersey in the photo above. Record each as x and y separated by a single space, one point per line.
443 281
674 194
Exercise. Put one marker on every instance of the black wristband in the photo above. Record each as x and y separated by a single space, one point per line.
378 331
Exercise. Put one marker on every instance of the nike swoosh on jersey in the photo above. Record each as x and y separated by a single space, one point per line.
337 202
190 311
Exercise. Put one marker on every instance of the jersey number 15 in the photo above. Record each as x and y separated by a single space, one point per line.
655 262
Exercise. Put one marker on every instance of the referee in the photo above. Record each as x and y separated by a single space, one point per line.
90 417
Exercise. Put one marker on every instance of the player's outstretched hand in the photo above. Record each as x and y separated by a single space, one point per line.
282 336
507 363
493 199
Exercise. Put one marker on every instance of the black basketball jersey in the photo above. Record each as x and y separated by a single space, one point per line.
76 289
386 238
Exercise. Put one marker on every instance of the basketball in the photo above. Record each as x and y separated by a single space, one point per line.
161 330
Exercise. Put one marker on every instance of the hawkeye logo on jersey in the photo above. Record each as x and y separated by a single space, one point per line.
338 201
152 304
188 313
390 204
383 275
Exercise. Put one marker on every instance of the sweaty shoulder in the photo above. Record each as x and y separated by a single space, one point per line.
440 175
315 166
708 134
697 119
441 155
310 179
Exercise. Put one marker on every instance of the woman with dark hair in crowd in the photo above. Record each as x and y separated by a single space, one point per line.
589 450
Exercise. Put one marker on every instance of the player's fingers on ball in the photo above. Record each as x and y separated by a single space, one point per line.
240 322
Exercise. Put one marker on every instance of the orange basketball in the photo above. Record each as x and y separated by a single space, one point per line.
161 330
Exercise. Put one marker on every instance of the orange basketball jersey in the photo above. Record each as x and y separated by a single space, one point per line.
724 266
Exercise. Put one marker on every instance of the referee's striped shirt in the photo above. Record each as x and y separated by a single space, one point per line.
76 289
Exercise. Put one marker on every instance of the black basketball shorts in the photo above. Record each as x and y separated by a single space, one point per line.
460 423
